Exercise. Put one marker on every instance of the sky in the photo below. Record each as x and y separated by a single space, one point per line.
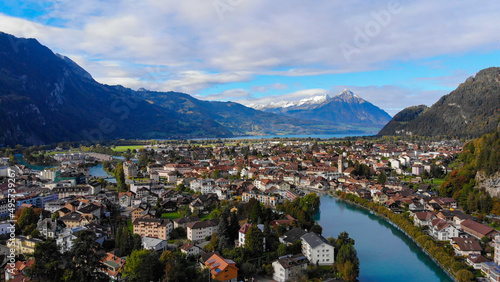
394 54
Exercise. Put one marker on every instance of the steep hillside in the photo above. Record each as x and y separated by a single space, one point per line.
46 98
469 111
400 120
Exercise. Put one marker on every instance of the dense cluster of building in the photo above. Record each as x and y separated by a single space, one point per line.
269 171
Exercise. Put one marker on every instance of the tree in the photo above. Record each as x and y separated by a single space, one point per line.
27 220
465 275
86 255
382 178
142 265
47 262
253 240
234 227
316 228
120 178
348 262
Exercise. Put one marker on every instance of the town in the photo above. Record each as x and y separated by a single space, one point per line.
229 210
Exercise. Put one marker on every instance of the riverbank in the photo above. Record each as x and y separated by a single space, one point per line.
441 258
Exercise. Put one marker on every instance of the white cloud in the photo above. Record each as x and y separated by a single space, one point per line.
188 46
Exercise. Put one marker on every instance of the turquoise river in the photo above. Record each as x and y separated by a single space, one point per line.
385 253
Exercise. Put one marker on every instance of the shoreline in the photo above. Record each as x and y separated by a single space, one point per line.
397 227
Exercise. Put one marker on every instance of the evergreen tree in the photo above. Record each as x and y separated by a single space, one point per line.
47 262
253 240
86 255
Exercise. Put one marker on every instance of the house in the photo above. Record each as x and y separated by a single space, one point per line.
197 231
49 228
423 218
190 249
476 260
17 272
442 230
292 236
111 266
317 249
76 219
222 269
155 244
289 267
153 227
477 229
184 221
24 245
466 246
243 231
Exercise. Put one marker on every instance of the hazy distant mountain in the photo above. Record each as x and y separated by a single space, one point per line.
345 108
469 111
47 98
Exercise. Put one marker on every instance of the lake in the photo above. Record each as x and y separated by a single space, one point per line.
384 252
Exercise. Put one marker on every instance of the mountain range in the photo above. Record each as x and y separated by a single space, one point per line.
469 111
344 108
47 98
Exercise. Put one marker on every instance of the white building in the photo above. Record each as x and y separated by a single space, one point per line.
197 231
442 230
289 268
317 249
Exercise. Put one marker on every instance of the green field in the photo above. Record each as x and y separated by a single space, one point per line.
125 148
171 215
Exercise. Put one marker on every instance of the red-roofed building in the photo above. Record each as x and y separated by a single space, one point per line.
477 229
112 266
18 271
222 269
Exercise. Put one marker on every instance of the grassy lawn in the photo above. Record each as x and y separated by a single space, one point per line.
171 215
203 217
130 227
125 148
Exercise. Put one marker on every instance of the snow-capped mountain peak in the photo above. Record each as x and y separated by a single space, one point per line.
286 104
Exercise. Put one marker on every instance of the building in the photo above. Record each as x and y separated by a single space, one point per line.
130 169
477 229
190 249
243 232
112 266
24 245
222 269
317 249
154 244
442 230
496 240
466 246
197 231
153 227
289 267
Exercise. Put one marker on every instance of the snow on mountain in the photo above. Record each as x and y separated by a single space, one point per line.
286 104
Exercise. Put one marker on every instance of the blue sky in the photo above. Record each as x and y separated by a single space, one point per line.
392 53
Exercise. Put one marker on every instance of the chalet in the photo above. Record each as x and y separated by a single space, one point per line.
475 261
